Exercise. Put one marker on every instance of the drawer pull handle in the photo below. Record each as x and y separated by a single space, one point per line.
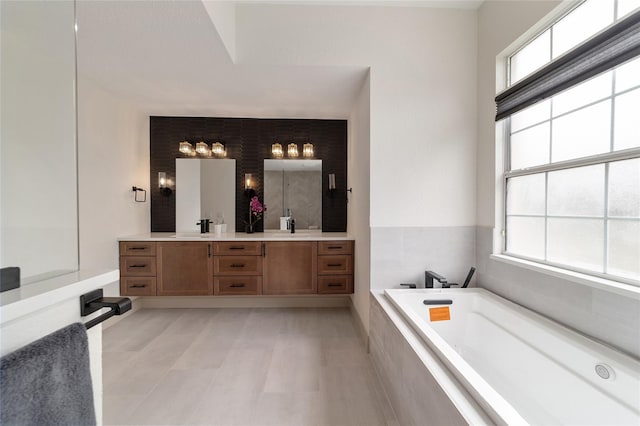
137 286
334 285
334 247
334 264
237 265
137 248
236 285
236 248
138 266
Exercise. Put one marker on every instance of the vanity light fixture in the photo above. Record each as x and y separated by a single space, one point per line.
163 184
307 150
276 150
202 148
292 150
186 148
218 149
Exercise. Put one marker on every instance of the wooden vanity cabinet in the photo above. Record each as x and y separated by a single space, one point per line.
137 268
237 268
184 268
335 267
290 267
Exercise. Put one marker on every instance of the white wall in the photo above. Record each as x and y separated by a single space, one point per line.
113 151
358 207
603 315
38 134
423 95
422 115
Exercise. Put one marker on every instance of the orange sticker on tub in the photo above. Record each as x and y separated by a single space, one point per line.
439 314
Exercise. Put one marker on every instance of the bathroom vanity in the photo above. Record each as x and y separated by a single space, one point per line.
236 264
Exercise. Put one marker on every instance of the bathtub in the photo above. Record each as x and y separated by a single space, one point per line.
520 367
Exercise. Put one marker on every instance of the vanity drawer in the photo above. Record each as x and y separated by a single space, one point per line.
335 284
230 286
135 248
137 266
237 265
138 286
339 264
335 247
246 248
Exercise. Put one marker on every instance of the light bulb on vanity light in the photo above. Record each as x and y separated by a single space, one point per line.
186 148
276 150
202 148
292 150
307 150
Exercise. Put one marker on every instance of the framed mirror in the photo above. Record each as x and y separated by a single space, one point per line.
205 189
293 188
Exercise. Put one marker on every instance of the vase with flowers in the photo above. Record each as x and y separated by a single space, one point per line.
256 209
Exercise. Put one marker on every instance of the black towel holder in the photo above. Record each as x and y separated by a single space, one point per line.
94 301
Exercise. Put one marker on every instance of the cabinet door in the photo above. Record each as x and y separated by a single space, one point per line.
290 267
184 269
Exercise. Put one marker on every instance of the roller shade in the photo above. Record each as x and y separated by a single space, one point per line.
610 48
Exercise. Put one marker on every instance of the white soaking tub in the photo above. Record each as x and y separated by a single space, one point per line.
520 367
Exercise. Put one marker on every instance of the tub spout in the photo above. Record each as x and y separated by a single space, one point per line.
429 276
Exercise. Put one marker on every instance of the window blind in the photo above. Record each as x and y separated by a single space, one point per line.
613 46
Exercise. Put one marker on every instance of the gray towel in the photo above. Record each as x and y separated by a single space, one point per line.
48 382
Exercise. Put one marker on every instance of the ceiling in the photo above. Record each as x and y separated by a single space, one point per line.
166 58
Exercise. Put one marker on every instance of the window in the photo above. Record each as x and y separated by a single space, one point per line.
572 178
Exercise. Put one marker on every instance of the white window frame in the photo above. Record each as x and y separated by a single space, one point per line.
620 285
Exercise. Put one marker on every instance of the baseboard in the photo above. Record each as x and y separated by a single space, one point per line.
360 328
312 301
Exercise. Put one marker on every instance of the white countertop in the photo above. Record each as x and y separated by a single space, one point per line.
43 294
302 235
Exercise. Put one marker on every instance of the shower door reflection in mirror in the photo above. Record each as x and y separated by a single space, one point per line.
293 186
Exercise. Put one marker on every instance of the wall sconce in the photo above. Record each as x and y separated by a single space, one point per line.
186 148
248 185
163 184
332 184
292 150
307 150
276 150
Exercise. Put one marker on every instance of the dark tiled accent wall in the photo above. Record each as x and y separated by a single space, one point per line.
248 141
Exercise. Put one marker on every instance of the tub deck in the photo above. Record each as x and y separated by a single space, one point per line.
520 366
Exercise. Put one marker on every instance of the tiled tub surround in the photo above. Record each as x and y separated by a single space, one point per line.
402 254
605 316
419 388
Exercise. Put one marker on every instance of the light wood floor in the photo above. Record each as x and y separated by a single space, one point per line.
263 366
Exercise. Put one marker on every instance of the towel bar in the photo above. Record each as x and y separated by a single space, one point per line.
94 300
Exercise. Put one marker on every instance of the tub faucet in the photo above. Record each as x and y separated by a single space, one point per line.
466 280
429 276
